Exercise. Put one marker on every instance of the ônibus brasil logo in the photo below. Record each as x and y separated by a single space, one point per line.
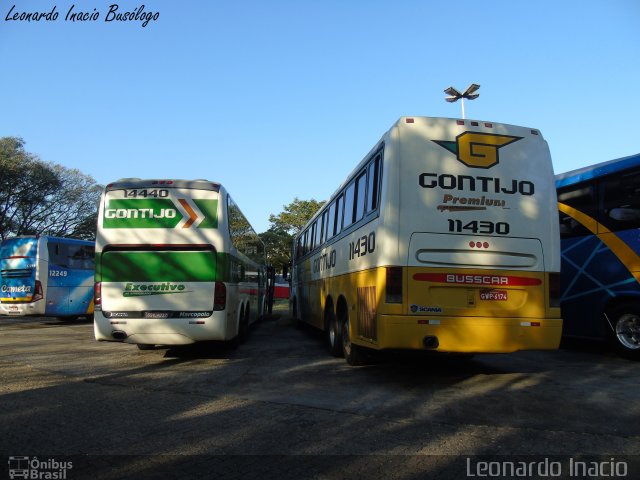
478 150
144 289
161 213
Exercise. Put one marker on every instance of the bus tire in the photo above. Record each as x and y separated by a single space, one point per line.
355 355
333 331
624 330
243 325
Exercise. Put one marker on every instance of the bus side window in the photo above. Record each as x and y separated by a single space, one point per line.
312 237
339 211
349 201
80 257
582 198
330 222
372 188
361 184
323 229
621 202
58 254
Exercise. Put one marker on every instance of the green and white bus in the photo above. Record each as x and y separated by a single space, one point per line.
176 263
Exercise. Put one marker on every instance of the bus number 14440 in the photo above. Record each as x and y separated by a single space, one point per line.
365 244
481 227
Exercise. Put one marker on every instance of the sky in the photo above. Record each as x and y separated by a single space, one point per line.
278 99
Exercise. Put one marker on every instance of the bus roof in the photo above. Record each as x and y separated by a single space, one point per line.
200 184
597 170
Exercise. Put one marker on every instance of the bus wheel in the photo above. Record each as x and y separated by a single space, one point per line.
625 330
334 333
243 327
354 354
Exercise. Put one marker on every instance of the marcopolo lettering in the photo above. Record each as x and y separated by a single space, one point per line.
473 184
140 213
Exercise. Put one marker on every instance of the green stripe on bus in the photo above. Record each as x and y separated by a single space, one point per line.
158 267
209 209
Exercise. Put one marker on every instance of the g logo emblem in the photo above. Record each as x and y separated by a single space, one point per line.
479 150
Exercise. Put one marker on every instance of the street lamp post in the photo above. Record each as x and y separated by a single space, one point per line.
469 94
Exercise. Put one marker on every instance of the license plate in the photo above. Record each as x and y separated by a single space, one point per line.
494 295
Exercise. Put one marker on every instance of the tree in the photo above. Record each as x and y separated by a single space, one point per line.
38 197
284 227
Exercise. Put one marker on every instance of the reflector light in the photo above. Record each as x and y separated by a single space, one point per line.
488 125
485 244
460 122
535 132
220 296
529 324
97 295
393 293
474 124
38 294
409 120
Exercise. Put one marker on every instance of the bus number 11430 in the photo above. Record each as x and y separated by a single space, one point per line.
365 244
481 227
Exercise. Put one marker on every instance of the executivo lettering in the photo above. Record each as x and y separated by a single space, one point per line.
143 289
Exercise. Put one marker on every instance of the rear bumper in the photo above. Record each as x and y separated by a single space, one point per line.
173 331
468 334
22 309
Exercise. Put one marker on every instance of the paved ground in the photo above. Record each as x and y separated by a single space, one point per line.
280 406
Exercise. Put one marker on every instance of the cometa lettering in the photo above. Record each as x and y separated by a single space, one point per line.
139 213
20 289
447 181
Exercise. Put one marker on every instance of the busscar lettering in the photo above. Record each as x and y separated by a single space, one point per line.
477 279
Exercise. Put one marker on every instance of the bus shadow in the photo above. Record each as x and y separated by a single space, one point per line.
586 345
66 321
201 350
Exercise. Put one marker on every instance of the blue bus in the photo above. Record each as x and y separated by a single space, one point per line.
46 276
600 231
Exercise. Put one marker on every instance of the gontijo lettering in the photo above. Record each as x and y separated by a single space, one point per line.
139 213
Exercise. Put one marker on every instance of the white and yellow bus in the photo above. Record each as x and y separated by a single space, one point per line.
443 238
176 263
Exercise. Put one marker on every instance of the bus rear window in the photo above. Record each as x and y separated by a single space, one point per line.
18 247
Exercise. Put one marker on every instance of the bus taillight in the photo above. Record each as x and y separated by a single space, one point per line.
97 295
39 293
554 289
220 296
394 285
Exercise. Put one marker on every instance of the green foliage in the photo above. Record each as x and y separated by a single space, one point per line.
38 197
284 227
